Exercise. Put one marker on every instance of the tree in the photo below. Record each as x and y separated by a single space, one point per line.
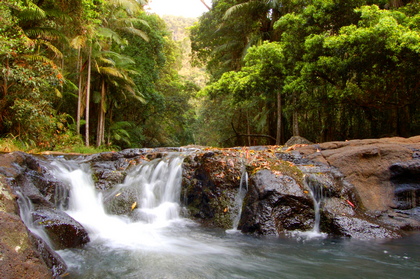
31 77
372 65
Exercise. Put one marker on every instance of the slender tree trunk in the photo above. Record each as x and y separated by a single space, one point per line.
279 124
108 142
100 136
88 97
295 123
295 119
248 128
204 3
80 93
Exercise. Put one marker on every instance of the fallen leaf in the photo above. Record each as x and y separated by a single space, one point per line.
350 203
134 205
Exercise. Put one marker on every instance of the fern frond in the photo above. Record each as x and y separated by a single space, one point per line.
37 58
51 47
108 33
45 33
107 61
136 32
78 42
111 71
58 93
32 12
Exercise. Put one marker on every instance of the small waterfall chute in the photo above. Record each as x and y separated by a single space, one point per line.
318 194
239 199
26 210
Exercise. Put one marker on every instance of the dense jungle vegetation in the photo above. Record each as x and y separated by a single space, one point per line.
109 74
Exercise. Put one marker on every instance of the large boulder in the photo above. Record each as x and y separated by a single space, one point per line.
276 203
62 230
384 172
211 179
22 255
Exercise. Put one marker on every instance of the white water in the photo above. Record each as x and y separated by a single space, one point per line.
157 187
239 199
318 196
164 245
26 208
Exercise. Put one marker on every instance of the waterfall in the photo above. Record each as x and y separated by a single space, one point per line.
239 199
26 209
157 192
159 186
318 195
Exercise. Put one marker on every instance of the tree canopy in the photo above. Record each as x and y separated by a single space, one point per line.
92 71
326 70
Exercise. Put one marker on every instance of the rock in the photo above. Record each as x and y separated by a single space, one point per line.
18 257
361 229
210 183
405 176
51 258
366 165
297 140
366 189
63 231
21 254
275 203
120 200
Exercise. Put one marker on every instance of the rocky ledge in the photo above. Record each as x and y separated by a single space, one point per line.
365 189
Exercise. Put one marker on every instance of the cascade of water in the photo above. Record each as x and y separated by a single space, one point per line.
157 192
26 209
317 193
243 189
158 185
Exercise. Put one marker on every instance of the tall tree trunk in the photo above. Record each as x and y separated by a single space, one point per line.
295 119
88 96
204 3
248 128
295 123
80 93
279 124
100 136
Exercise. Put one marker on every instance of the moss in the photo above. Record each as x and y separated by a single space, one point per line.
222 208
4 195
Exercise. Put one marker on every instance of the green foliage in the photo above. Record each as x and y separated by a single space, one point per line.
343 69
40 73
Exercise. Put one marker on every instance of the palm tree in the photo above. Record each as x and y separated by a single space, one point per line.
109 68
115 74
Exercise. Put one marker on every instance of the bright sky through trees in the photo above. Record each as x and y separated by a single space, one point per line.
186 8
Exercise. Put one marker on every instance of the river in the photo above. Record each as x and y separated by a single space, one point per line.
160 243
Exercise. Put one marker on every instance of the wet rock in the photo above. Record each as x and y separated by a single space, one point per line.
361 229
276 203
51 258
63 231
210 184
18 257
120 201
406 178
365 164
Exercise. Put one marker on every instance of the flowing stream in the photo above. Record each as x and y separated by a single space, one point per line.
159 243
